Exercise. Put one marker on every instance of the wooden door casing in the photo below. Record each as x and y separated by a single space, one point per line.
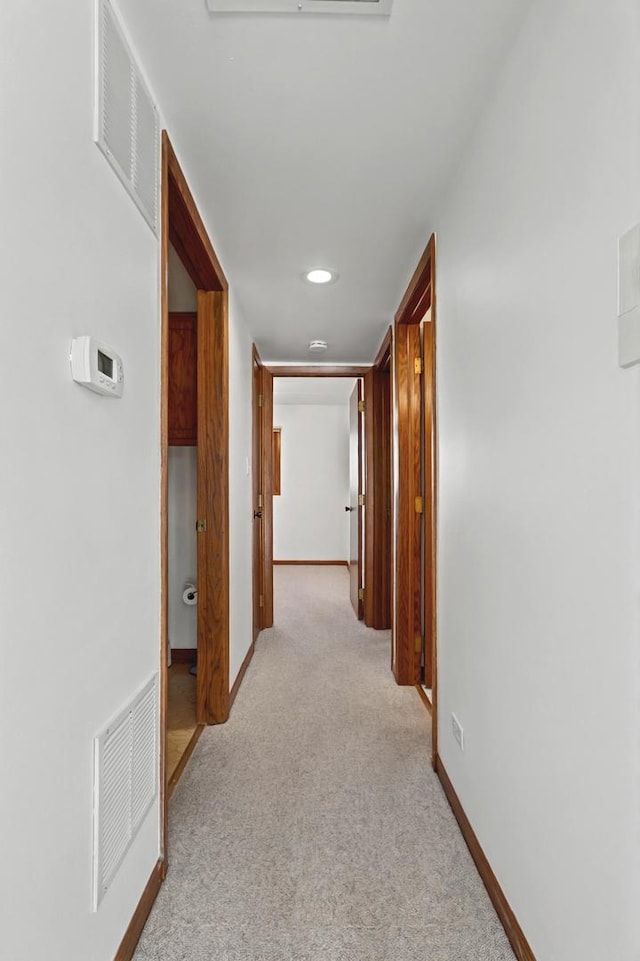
213 509
257 494
267 497
355 506
428 455
407 648
417 430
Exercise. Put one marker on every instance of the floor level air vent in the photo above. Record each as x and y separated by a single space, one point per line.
127 127
126 783
379 8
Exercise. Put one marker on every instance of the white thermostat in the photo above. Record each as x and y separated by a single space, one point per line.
97 366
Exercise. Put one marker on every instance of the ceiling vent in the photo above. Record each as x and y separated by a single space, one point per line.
376 8
127 127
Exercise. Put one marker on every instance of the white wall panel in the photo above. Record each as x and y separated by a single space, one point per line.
183 562
182 492
80 506
539 481
309 518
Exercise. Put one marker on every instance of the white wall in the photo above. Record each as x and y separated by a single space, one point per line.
540 481
182 469
80 507
182 547
309 518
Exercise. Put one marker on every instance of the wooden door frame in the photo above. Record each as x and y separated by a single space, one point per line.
182 225
359 505
285 370
212 678
266 468
264 471
411 590
257 485
378 564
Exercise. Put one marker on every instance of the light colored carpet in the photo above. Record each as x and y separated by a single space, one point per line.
311 827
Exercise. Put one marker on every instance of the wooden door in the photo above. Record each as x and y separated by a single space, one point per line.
355 498
213 511
377 547
267 497
407 633
257 495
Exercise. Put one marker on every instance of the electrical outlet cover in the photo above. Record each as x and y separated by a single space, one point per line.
458 731
629 271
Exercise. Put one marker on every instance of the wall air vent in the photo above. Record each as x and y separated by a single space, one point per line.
379 8
125 784
126 120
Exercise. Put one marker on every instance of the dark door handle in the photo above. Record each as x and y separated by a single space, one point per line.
349 508
257 514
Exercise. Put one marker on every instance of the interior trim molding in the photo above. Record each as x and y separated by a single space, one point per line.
241 674
317 370
212 701
164 494
509 922
187 231
267 495
314 563
140 915
407 582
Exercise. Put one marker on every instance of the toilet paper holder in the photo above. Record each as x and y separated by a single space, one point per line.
190 594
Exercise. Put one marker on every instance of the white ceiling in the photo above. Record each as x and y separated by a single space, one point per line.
321 141
312 390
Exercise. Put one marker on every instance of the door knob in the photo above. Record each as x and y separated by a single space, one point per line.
257 514
349 508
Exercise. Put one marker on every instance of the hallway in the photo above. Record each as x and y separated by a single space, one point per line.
311 827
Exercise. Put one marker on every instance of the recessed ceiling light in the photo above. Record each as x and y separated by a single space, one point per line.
316 346
320 275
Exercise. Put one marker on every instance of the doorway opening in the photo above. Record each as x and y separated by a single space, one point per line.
314 423
182 728
306 432
194 414
415 473
378 515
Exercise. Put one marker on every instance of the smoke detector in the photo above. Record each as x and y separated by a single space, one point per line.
317 346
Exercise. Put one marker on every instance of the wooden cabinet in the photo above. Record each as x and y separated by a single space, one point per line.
183 380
